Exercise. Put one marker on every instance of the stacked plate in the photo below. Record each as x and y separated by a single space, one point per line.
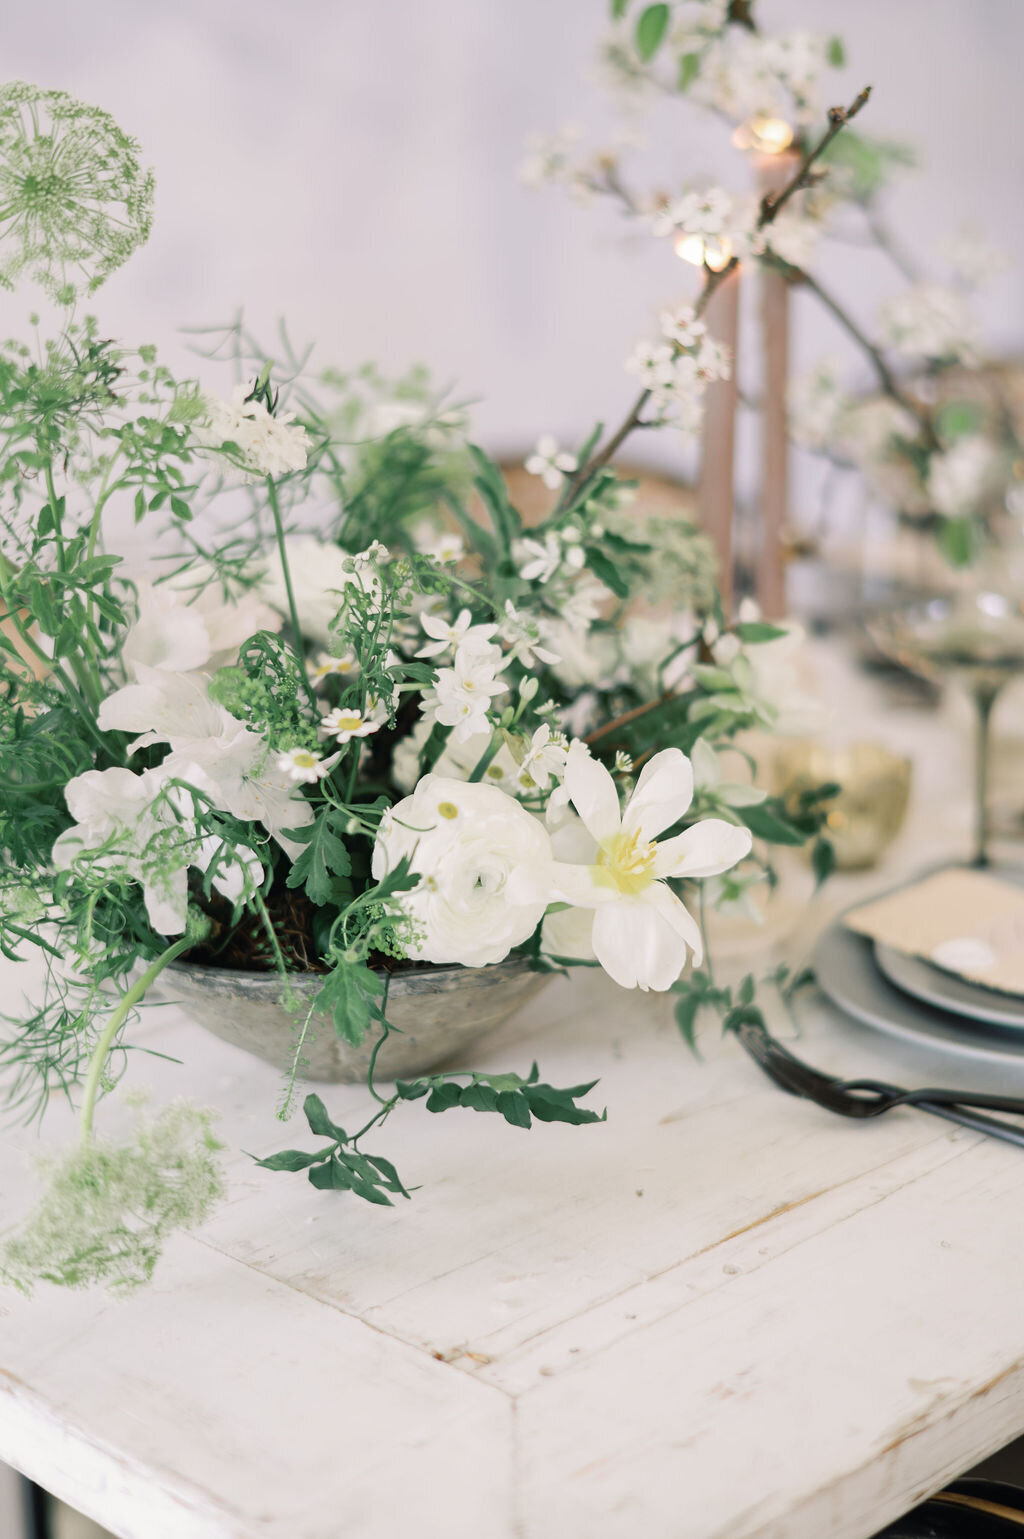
908 997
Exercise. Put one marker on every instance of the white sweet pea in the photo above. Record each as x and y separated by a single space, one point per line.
642 933
189 622
469 843
135 826
210 749
452 633
550 462
322 578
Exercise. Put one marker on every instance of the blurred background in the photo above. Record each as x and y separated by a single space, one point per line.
352 167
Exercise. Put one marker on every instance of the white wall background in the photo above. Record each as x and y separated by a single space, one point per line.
351 164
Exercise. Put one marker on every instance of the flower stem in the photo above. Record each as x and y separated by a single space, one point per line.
118 1017
293 613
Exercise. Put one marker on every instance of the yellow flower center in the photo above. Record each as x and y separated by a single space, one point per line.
303 759
448 809
627 862
348 721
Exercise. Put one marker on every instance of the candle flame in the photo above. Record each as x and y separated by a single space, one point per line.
714 251
769 136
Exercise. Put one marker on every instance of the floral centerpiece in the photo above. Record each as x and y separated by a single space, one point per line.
346 718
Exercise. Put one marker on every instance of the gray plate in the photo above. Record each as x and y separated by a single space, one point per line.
846 970
948 991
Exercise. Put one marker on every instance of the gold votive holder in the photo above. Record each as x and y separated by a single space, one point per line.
868 812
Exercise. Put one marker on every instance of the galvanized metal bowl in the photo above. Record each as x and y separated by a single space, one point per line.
437 1012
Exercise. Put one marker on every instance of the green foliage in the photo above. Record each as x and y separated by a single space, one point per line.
351 994
516 1099
338 1166
324 866
652 24
110 1207
74 202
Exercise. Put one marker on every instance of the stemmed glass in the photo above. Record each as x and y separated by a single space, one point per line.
976 638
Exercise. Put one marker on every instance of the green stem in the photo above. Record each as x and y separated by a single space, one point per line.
489 753
120 1014
293 613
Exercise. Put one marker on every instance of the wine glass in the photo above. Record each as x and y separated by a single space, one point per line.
976 638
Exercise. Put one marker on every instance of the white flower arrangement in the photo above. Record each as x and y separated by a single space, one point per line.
371 725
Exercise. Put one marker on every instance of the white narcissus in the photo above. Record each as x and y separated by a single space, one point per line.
470 844
641 933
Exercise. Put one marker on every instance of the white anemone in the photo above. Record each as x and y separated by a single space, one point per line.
641 933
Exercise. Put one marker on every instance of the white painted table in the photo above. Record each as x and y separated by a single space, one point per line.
721 1313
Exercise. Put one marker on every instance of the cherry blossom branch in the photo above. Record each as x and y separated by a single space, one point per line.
838 117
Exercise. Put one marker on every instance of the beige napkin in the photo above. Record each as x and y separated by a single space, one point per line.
966 922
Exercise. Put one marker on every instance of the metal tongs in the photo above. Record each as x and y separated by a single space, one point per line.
872 1097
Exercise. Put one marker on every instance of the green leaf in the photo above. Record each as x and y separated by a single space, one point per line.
687 1006
331 1176
604 568
958 540
319 1122
650 30
836 53
758 631
689 69
494 495
515 1108
324 863
412 1090
550 1105
292 1159
444 1095
823 860
482 1098
350 992
619 9
764 824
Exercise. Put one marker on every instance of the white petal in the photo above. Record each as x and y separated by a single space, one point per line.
662 795
581 886
705 849
568 933
637 945
167 902
592 792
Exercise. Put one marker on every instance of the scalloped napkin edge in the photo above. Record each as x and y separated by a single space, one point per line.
965 922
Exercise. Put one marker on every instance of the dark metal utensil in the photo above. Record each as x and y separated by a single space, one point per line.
870 1097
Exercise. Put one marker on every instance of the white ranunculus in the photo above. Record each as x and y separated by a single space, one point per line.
470 845
641 932
321 574
146 833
